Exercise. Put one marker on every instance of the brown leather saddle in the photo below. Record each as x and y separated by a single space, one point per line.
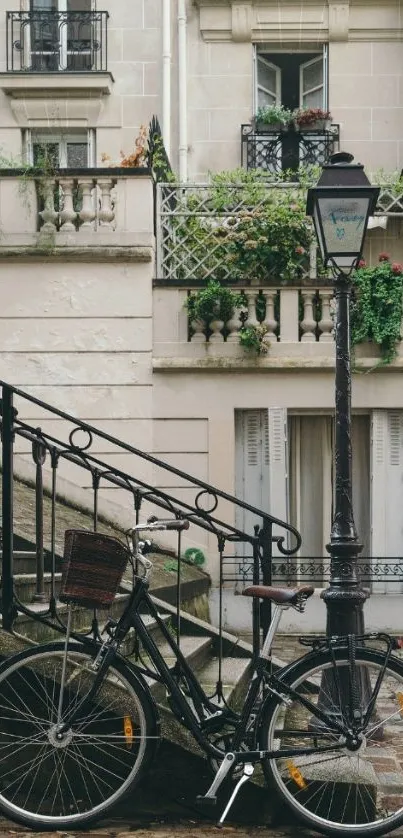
281 596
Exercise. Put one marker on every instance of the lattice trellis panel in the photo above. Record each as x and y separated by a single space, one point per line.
193 220
388 202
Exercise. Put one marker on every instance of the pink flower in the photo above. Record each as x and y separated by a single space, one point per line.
383 257
397 268
300 250
362 263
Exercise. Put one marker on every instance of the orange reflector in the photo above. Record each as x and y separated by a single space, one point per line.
296 775
399 697
128 729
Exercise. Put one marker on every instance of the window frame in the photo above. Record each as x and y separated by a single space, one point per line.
62 139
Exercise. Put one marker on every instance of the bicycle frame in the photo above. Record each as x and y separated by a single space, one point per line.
207 717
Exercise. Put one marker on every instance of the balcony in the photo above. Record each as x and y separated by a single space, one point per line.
81 215
276 151
45 47
207 232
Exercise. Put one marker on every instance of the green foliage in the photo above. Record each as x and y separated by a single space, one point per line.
158 160
195 556
272 239
272 114
253 338
376 309
214 302
171 565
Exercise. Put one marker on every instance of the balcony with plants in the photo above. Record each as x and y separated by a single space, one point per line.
279 139
240 283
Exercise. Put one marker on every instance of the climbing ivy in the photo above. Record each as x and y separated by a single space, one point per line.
376 308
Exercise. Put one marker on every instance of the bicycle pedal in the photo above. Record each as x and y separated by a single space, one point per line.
201 799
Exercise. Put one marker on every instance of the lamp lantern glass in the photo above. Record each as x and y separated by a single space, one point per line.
340 206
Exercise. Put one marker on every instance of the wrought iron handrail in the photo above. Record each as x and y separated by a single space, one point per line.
52 41
202 510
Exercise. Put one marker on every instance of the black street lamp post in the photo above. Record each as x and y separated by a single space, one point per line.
340 206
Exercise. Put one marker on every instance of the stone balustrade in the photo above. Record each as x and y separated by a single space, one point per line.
72 204
289 315
76 208
298 319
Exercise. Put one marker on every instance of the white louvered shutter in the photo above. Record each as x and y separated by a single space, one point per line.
278 468
387 490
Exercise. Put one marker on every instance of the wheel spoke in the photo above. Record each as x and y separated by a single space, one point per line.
359 786
62 778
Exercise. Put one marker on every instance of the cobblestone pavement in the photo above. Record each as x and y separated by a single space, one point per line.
190 829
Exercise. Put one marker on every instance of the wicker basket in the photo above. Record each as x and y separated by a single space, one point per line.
93 566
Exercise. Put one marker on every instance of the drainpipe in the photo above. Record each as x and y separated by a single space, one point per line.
182 71
166 74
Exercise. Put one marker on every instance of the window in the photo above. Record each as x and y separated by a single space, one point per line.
293 79
268 83
61 36
60 150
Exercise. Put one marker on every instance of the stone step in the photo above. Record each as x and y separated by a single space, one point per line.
24 561
39 632
235 675
25 586
196 650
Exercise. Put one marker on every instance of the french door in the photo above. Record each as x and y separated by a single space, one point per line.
61 35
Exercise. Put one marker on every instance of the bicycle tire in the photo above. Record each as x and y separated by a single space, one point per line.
46 784
348 793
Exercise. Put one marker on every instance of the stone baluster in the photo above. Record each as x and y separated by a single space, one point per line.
106 214
68 214
48 214
270 321
308 324
198 328
234 326
216 327
326 322
251 319
87 213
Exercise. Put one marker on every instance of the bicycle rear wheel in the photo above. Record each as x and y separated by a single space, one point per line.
341 792
47 782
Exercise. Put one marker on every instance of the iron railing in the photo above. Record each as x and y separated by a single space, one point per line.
277 151
379 574
64 448
57 42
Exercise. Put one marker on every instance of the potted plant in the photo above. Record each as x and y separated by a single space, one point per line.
271 118
311 119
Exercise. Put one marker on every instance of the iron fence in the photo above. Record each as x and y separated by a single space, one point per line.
56 42
277 151
379 574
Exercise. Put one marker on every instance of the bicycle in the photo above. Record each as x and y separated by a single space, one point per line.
79 726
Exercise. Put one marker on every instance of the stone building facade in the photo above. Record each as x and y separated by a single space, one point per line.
89 322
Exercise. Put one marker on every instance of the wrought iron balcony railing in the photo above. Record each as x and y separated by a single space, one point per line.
57 42
276 151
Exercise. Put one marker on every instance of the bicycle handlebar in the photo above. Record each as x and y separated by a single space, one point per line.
160 524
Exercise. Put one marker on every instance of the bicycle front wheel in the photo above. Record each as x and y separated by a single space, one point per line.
342 791
53 781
